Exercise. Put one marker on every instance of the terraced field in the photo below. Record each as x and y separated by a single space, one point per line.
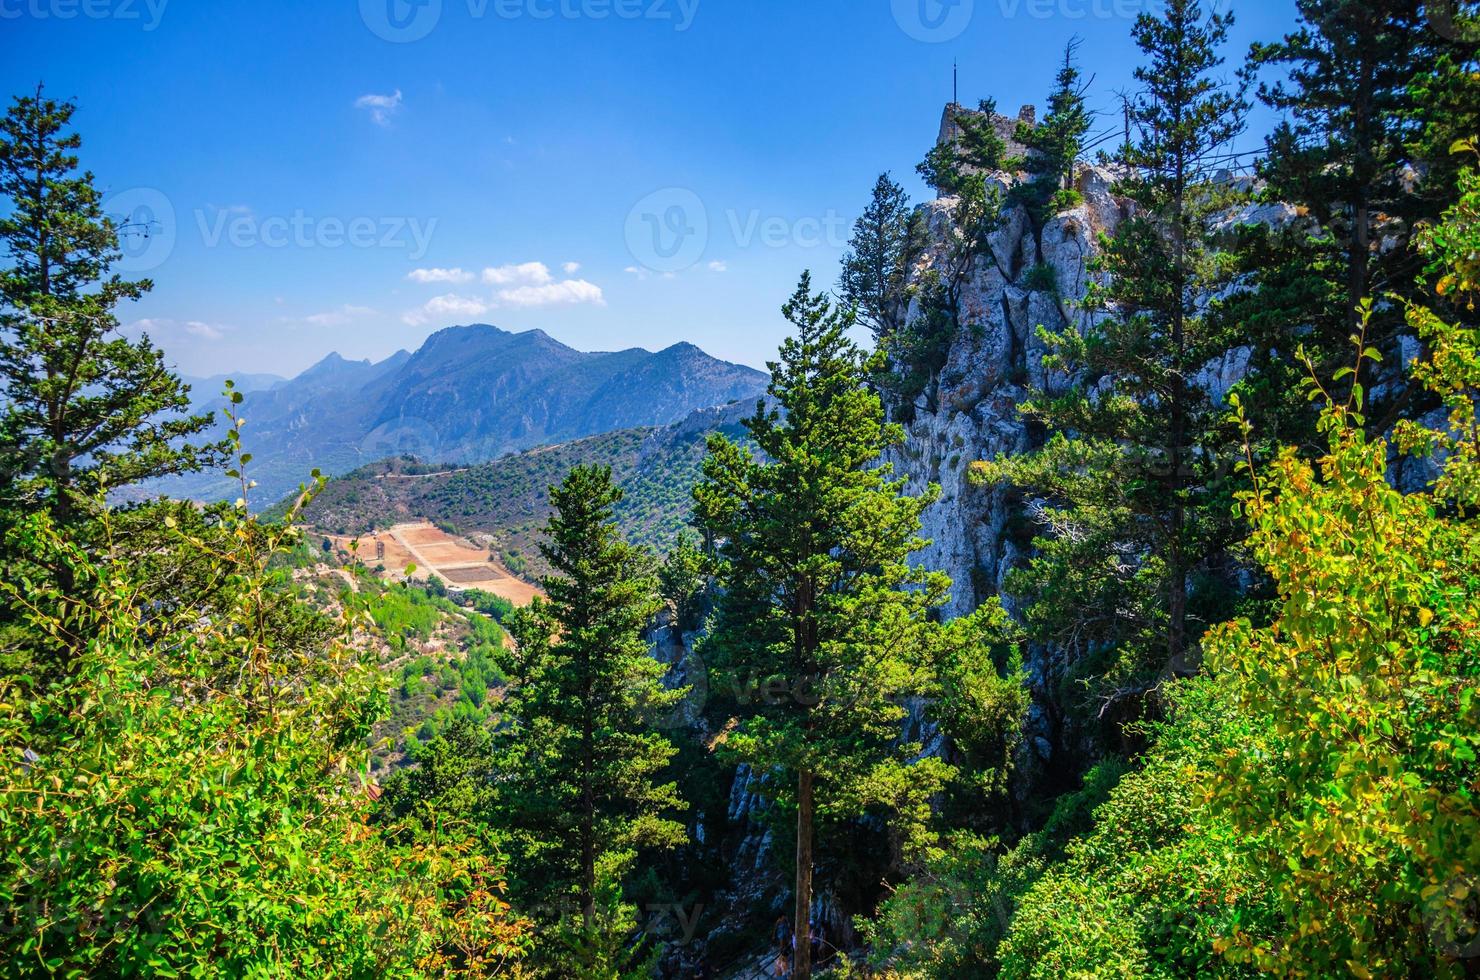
428 550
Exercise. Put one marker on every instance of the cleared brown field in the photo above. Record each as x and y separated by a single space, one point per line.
452 554
415 534
433 552
460 563
394 555
465 576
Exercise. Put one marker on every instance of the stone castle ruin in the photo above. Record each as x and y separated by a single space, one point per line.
1006 126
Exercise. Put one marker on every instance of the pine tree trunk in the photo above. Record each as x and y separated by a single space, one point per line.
61 514
1176 572
1364 171
802 927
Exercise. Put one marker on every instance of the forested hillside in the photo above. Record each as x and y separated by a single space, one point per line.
508 499
1095 592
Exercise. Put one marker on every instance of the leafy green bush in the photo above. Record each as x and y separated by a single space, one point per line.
1041 277
184 801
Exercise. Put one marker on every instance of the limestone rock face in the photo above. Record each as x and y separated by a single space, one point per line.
970 412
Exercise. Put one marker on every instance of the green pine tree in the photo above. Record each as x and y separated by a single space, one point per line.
1137 505
85 406
683 582
977 147
1055 143
1372 96
876 269
582 760
820 622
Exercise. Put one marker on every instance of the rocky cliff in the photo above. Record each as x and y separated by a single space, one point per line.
970 411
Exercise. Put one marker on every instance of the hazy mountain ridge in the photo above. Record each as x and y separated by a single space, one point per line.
467 395
201 388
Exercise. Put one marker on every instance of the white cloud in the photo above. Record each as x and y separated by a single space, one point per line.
524 285
456 305
165 325
339 317
381 107
524 274
449 305
439 275
571 268
717 266
204 331
569 291
637 271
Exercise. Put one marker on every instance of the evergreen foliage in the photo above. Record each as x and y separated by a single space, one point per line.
1135 476
1054 144
579 762
887 239
819 616
85 408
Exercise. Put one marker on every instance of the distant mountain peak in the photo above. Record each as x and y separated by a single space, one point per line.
332 363
469 393
466 329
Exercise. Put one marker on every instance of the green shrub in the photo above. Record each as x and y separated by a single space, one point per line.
1041 277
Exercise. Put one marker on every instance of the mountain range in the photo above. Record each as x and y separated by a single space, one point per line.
469 394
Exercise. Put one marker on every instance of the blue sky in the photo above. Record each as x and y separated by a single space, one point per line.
616 172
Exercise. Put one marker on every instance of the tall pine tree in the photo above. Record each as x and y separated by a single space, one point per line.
820 621
581 791
1055 143
85 406
1136 505
886 240
1372 97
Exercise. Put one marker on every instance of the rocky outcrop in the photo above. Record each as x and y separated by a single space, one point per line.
1028 278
